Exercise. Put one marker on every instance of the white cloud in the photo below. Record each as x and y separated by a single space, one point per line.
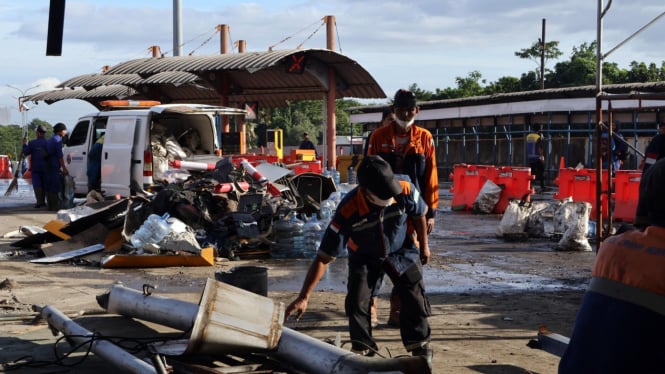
428 42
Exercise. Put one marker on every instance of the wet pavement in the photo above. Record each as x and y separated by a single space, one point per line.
467 257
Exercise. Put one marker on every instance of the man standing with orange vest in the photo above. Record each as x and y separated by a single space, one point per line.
410 151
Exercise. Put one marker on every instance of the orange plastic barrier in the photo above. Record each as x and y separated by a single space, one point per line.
5 168
516 182
307 167
581 186
468 180
627 192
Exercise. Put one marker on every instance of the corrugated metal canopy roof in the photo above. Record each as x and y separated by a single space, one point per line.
94 95
243 77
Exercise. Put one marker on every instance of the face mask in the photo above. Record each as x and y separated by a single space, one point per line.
404 124
375 200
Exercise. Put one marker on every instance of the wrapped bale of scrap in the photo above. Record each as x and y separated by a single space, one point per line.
514 221
572 220
487 198
539 224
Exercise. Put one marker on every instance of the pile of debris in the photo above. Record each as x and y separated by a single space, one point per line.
235 210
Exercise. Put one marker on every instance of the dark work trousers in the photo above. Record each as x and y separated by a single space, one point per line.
538 170
415 308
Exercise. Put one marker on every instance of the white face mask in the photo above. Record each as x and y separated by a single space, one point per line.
375 200
404 124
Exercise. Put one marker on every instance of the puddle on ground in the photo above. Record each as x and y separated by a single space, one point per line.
456 278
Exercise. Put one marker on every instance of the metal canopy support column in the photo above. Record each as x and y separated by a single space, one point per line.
224 49
331 129
599 120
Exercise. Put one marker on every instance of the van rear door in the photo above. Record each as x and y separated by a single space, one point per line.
117 154
75 154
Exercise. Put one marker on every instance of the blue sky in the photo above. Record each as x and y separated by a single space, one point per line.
428 42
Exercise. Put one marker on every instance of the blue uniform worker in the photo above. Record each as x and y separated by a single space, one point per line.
382 223
36 149
55 167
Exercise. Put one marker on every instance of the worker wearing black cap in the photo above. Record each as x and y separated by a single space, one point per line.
371 221
307 144
410 151
36 150
56 167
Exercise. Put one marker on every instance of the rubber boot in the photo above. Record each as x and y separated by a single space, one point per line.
53 201
374 319
39 196
393 320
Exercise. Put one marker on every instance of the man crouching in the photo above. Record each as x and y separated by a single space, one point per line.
376 222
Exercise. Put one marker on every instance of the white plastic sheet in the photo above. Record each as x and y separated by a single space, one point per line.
487 197
514 220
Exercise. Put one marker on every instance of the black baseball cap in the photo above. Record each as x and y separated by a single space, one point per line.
375 174
41 129
404 99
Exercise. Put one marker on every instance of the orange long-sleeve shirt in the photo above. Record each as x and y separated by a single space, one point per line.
417 159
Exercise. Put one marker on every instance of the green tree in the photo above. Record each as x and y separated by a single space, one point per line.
421 95
504 85
530 81
11 141
612 73
579 71
641 72
535 53
470 85
297 118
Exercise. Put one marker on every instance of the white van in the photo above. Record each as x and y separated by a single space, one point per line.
127 153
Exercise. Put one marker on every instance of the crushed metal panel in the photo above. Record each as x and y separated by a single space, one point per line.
69 255
91 236
272 172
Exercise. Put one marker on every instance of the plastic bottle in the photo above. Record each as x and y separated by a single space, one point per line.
330 205
335 175
351 177
68 192
288 238
326 217
152 231
312 232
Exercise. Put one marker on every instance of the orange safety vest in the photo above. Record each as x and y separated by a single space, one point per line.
417 160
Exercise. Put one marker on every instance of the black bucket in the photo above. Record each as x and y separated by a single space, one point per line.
250 278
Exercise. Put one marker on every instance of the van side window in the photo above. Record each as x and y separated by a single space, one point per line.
80 134
100 128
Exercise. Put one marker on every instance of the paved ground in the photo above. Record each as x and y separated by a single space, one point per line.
489 297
